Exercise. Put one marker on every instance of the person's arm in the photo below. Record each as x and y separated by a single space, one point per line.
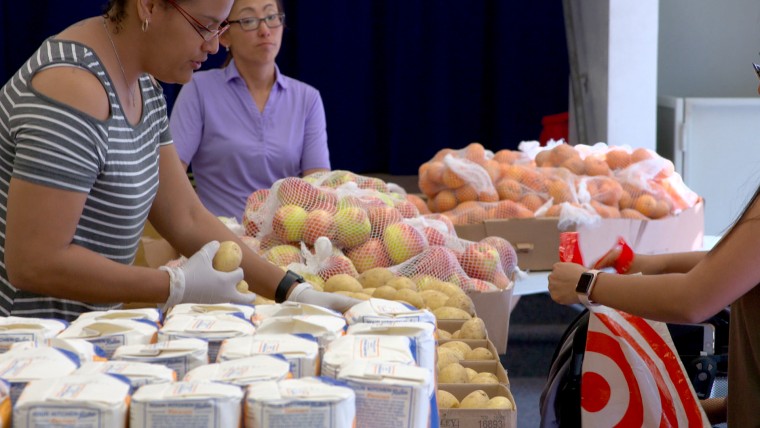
715 409
655 263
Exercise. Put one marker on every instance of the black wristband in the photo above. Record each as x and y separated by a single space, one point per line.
287 281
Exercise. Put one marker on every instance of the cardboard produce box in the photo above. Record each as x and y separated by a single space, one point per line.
536 240
493 366
460 418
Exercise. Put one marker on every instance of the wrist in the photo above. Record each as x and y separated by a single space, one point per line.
176 289
285 287
586 285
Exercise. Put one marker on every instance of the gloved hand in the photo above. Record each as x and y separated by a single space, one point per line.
196 281
305 293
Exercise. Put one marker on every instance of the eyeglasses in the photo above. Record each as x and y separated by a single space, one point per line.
251 23
206 33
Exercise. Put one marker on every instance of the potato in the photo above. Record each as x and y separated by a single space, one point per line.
369 291
446 313
461 301
457 344
447 288
385 292
471 373
477 399
499 402
452 373
375 277
479 354
344 293
446 400
485 377
411 297
448 356
228 257
443 334
342 282
473 328
457 334
402 282
360 296
314 280
433 299
242 287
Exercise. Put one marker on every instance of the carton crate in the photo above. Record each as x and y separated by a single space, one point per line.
536 240
486 418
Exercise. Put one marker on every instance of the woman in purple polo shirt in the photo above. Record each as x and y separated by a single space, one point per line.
245 126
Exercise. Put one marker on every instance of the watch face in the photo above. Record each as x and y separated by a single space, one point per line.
584 282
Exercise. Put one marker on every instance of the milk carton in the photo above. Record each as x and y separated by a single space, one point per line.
76 401
243 371
19 367
306 402
138 374
291 309
216 309
151 314
381 310
84 350
300 350
422 335
390 394
180 355
110 334
18 329
391 349
186 405
324 328
212 328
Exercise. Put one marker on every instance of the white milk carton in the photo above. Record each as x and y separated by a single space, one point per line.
243 371
19 367
422 335
215 309
391 349
380 310
110 334
19 329
180 355
300 350
391 394
84 350
325 328
212 328
291 309
138 374
186 405
77 401
307 402
151 314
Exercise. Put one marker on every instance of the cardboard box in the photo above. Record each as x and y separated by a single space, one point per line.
462 418
536 240
494 367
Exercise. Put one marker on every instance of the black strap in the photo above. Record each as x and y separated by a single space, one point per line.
287 281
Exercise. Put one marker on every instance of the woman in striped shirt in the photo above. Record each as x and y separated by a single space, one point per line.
86 157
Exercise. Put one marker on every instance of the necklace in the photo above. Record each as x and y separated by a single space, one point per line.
121 67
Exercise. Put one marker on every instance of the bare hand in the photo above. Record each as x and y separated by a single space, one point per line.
562 281
609 259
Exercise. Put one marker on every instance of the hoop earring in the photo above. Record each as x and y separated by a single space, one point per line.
144 26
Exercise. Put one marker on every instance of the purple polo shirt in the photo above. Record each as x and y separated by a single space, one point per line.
234 149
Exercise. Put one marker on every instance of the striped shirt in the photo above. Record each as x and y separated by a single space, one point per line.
115 163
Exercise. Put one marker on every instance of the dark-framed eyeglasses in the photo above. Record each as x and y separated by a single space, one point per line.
206 33
252 23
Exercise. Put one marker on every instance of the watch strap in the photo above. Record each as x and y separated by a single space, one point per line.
290 278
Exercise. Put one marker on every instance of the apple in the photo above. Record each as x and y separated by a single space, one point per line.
381 216
480 260
288 223
337 178
295 191
318 223
443 219
283 255
373 183
434 236
268 241
336 264
507 253
252 221
352 226
403 241
256 199
368 255
407 209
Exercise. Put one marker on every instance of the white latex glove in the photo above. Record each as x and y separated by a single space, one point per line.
305 293
196 281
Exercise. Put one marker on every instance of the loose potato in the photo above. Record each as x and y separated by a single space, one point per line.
473 328
314 280
433 299
360 296
457 334
443 334
470 374
448 288
475 400
369 291
461 301
486 378
499 402
401 282
457 344
228 257
385 292
375 277
342 282
446 400
447 313
453 373
242 287
411 297
478 354
448 356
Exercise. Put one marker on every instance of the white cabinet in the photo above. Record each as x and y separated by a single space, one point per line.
715 146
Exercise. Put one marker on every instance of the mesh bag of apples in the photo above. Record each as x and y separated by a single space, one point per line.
367 225
579 184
